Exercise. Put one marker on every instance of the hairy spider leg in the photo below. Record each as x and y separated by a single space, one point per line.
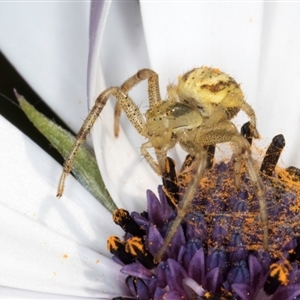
131 110
151 161
153 92
243 153
260 193
185 203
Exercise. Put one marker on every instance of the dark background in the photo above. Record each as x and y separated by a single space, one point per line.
9 108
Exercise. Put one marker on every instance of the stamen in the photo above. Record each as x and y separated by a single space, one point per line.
272 155
278 275
294 173
279 271
210 155
117 248
170 185
136 247
122 218
294 255
187 164
246 132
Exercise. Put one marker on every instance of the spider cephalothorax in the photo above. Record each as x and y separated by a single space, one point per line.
197 113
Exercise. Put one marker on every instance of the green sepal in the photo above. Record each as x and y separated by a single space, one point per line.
85 167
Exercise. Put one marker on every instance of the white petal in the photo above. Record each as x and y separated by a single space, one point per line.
36 258
277 106
13 293
47 42
218 34
48 244
122 52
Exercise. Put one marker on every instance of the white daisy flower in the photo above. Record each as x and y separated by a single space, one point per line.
57 247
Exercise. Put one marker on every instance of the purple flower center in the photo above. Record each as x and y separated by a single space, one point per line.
217 251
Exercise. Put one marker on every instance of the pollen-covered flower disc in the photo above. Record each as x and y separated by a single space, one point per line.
217 251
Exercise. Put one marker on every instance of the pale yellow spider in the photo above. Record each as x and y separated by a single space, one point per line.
196 114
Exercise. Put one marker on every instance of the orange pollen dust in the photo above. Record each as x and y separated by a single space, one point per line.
280 271
135 246
210 188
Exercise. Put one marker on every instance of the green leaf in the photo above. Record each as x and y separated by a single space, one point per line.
85 166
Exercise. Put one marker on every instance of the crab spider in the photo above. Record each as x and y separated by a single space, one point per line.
197 113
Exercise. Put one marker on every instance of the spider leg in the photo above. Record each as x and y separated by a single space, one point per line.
188 162
260 192
251 114
153 92
131 110
151 161
242 152
227 132
161 154
185 203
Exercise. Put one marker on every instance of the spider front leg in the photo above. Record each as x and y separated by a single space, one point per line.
185 203
131 110
153 92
